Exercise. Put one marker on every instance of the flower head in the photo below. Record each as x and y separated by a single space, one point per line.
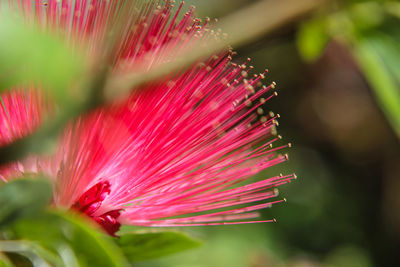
175 153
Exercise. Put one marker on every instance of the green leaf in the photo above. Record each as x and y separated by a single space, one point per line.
4 261
19 260
367 15
23 198
379 58
312 39
73 238
139 246
28 55
392 8
25 253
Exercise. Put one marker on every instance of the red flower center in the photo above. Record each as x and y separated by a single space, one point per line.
91 201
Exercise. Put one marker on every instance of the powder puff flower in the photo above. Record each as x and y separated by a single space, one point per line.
175 153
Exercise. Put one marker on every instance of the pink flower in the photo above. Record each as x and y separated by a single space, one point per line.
173 154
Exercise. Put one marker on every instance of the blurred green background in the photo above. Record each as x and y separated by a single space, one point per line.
337 71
